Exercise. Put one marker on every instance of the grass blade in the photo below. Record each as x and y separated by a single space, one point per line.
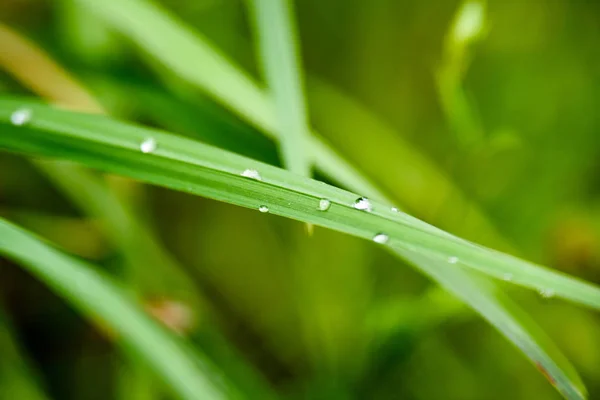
37 71
100 300
88 192
467 27
150 269
193 59
197 61
180 49
277 43
186 165
17 378
428 195
508 320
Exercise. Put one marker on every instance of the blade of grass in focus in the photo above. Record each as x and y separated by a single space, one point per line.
115 147
276 31
102 301
182 164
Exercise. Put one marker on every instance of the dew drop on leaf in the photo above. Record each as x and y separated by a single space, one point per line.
263 209
324 204
362 203
148 145
395 209
381 238
21 116
453 260
546 293
252 174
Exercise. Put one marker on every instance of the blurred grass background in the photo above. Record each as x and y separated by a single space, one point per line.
480 118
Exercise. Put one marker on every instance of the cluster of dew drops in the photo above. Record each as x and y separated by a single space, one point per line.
364 204
23 116
149 145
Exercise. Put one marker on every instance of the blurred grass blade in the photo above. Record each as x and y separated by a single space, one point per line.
178 47
467 27
100 300
90 193
152 29
423 188
17 380
150 268
277 39
192 58
506 317
37 71
190 166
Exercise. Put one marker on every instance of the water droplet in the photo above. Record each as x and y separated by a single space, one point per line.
453 260
546 293
381 238
362 203
263 209
507 277
252 174
21 116
324 204
395 209
148 145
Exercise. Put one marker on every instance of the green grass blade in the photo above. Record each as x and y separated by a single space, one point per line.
183 164
101 300
414 178
192 58
149 267
277 39
196 61
17 380
508 320
186 165
467 27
